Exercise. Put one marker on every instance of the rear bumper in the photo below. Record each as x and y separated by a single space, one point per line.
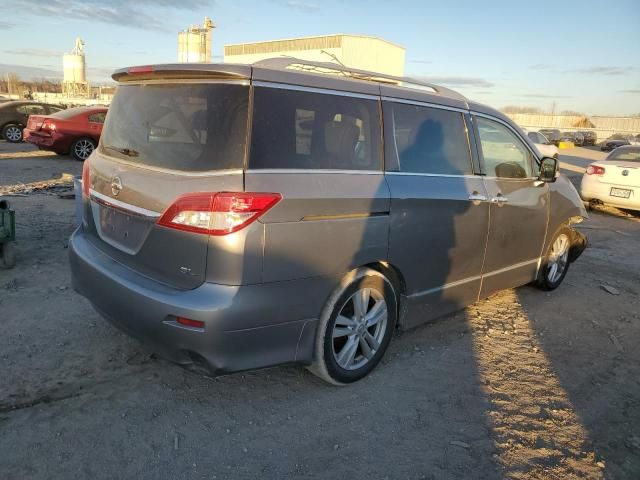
246 327
54 142
592 189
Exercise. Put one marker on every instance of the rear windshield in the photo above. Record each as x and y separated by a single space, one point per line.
178 126
625 155
70 113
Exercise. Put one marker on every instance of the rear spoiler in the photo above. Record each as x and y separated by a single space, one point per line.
183 71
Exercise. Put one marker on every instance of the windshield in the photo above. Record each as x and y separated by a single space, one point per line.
628 155
178 126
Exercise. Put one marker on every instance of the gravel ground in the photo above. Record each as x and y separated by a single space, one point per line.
525 384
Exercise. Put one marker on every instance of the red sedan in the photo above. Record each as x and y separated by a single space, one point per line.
75 131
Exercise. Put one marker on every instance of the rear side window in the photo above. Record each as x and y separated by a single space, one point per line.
31 109
97 117
426 140
304 130
189 127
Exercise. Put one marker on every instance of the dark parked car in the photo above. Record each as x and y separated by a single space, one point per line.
14 115
75 131
574 137
614 141
249 216
590 138
552 134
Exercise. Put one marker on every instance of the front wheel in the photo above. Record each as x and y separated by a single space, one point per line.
355 328
12 133
82 148
556 262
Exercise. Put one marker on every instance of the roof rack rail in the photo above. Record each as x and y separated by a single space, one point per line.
292 63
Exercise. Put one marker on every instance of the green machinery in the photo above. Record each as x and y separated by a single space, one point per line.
7 235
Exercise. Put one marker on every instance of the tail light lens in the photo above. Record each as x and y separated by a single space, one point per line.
49 125
595 170
85 179
190 323
217 213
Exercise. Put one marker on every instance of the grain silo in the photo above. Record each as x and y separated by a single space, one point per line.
194 43
74 83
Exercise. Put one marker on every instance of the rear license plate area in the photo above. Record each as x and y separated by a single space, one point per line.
620 192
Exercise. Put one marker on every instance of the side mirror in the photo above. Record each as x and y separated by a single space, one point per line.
548 169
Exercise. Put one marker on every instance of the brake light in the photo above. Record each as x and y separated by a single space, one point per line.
48 124
595 170
85 179
217 213
140 70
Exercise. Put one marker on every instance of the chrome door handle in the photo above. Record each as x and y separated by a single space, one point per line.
475 197
499 199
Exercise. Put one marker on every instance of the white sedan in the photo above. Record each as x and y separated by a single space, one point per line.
615 180
542 143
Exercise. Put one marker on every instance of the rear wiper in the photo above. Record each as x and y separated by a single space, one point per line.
125 151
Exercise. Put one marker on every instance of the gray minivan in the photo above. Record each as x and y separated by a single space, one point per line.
243 216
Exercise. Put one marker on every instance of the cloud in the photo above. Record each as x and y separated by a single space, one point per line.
301 5
423 62
34 52
141 14
452 81
631 91
602 71
6 25
542 66
543 95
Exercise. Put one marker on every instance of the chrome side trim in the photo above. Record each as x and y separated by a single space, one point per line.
424 104
343 216
445 286
105 200
511 267
412 174
170 171
327 91
315 171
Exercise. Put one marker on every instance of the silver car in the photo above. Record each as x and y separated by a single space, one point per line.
238 217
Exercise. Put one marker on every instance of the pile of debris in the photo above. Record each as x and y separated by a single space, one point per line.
62 187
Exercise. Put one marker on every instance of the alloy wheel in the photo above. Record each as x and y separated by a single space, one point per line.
13 134
359 329
558 258
83 149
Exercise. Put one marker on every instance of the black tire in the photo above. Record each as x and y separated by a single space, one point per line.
548 278
12 133
325 364
82 148
7 255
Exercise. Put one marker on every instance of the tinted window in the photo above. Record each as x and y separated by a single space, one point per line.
97 117
536 137
504 154
426 140
181 127
628 155
31 109
54 109
293 129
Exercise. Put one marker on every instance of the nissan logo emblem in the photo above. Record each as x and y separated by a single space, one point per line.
625 172
116 186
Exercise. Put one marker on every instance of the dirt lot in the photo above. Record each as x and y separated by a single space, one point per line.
525 384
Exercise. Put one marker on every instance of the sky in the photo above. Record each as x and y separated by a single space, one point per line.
580 55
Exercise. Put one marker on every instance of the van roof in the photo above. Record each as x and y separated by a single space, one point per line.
290 70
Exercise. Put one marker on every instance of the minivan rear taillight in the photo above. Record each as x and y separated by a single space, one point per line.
217 213
85 179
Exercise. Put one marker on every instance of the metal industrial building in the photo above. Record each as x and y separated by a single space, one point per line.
74 83
355 51
194 43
